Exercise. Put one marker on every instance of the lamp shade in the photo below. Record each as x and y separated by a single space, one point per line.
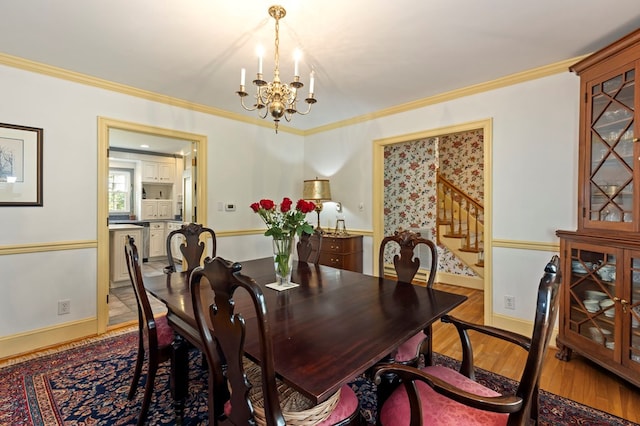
316 190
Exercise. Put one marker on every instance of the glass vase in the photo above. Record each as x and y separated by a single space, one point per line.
283 259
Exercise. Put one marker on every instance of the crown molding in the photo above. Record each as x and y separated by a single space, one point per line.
533 74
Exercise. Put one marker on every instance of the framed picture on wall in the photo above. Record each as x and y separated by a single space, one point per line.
20 165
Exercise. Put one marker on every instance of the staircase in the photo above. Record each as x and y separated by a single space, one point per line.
460 225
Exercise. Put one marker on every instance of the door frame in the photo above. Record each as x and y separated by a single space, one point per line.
104 125
378 193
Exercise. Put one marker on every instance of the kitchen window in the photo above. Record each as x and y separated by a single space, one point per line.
120 191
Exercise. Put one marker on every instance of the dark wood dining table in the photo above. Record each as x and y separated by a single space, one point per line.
334 326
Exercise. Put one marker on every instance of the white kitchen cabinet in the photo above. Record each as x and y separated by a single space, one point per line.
157 240
176 241
119 276
156 209
164 209
158 172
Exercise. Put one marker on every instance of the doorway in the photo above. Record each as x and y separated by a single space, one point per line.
378 191
105 127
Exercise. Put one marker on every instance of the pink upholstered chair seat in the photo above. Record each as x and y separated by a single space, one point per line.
408 350
347 404
438 410
165 332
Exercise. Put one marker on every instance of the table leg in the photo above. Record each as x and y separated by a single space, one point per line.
179 375
388 383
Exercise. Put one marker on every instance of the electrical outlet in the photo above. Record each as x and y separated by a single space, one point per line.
509 302
64 307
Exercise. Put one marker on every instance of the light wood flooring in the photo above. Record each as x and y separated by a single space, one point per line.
578 379
123 309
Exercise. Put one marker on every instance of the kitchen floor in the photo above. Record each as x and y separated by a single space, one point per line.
122 300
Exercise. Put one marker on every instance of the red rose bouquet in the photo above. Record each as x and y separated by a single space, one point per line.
283 221
283 224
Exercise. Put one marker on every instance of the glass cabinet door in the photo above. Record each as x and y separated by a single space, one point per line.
592 293
610 165
631 310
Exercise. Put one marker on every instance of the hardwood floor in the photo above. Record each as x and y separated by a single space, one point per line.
123 309
578 379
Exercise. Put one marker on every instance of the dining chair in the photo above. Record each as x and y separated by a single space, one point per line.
193 245
309 247
406 265
244 393
437 395
155 336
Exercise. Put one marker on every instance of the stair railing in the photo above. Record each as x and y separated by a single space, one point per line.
462 215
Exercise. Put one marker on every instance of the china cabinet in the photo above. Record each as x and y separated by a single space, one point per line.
600 305
608 172
600 315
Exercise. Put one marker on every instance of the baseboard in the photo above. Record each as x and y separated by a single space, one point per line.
476 283
520 326
23 343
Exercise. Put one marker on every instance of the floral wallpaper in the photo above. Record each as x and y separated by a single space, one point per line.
410 185
462 161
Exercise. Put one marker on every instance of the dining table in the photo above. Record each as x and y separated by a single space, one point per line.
330 328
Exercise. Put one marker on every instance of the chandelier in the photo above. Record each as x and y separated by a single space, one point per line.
275 98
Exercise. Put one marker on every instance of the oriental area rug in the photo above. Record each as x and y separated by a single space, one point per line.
88 385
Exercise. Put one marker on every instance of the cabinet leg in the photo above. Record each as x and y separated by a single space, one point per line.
564 352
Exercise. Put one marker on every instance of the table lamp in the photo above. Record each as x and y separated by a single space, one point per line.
317 190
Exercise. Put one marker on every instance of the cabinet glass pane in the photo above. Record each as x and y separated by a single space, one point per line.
611 137
592 290
634 311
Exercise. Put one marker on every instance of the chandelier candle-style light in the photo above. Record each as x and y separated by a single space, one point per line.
277 99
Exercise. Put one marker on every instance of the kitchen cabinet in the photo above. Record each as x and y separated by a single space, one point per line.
176 241
156 172
156 209
342 252
157 239
600 315
600 304
119 274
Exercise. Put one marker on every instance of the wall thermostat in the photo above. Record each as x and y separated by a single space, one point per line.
230 207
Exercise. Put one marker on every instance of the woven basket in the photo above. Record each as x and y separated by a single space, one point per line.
297 409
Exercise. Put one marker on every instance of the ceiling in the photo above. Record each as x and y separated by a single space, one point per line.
367 56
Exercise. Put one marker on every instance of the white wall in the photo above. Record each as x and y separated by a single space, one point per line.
534 170
534 174
245 163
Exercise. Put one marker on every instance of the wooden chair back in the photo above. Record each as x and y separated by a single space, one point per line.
546 312
193 245
225 279
155 338
309 247
522 407
406 264
146 321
